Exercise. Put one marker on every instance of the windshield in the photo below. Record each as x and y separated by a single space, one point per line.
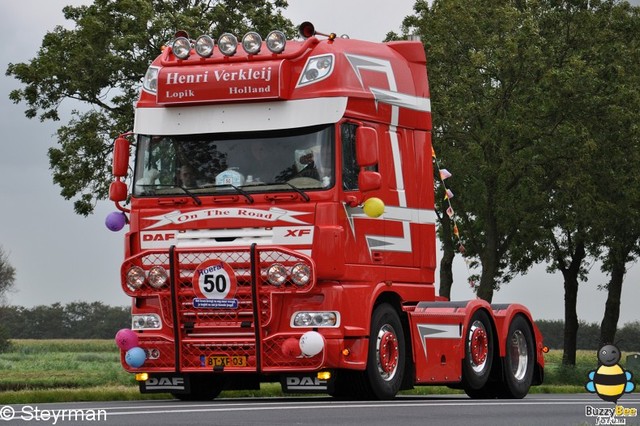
300 159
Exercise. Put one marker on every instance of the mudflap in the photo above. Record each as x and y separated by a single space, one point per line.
166 382
306 383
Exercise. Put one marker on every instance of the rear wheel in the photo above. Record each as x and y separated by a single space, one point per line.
476 365
519 359
203 387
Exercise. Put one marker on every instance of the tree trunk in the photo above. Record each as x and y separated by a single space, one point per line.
570 275
570 318
487 282
489 261
446 264
609 324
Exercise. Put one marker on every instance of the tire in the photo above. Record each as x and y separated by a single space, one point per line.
203 387
478 350
387 357
519 359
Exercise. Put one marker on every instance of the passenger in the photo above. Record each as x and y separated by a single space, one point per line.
304 166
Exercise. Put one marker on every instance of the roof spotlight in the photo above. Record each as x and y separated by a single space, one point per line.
228 44
181 47
251 43
276 41
204 46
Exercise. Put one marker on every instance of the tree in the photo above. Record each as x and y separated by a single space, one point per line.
7 274
483 69
99 65
593 106
620 156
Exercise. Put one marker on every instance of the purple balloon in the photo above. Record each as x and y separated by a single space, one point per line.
126 339
135 357
115 221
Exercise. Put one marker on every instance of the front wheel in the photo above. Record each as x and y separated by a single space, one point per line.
478 349
386 359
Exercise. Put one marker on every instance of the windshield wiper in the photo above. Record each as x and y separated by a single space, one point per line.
243 193
191 194
150 190
299 191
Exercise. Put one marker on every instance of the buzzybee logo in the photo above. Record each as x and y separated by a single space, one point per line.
610 381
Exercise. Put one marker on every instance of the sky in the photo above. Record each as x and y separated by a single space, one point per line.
62 257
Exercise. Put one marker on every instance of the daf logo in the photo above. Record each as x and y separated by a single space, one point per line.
160 236
165 382
305 381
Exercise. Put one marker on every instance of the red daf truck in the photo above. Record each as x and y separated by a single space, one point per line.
282 228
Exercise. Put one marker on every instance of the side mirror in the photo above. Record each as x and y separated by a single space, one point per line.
120 165
118 191
366 146
369 181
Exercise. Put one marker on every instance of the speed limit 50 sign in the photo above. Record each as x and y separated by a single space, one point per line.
214 279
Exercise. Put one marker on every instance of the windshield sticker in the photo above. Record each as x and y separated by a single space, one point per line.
272 215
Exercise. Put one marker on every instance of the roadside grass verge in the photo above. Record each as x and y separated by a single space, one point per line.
40 371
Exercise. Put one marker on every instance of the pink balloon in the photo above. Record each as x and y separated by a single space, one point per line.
126 339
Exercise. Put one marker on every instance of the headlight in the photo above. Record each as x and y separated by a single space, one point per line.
251 43
150 81
315 319
228 44
181 47
204 46
277 274
135 278
157 277
317 68
300 274
276 41
146 322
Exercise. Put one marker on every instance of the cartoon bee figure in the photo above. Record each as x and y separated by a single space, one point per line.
610 380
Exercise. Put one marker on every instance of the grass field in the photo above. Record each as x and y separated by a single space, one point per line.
89 370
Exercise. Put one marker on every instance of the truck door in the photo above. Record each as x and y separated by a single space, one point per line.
385 240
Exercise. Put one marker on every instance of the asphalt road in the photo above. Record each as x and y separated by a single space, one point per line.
547 410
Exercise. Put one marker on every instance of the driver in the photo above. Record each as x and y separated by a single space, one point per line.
187 177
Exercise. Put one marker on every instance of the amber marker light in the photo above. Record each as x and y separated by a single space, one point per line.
142 377
346 352
324 375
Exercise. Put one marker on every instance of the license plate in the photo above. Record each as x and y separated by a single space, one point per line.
227 361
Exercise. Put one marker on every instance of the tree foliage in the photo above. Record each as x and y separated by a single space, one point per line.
99 63
77 320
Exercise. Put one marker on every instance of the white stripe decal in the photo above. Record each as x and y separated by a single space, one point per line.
437 331
402 100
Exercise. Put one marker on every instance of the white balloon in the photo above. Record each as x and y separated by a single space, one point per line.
311 343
